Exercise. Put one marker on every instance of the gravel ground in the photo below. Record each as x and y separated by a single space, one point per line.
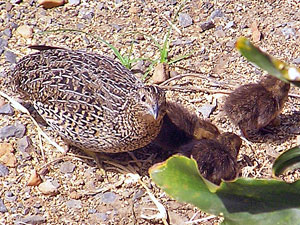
74 190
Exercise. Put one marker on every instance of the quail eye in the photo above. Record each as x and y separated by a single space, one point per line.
143 98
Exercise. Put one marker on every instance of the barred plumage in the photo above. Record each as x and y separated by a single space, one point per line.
94 102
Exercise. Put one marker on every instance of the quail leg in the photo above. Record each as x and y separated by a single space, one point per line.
99 158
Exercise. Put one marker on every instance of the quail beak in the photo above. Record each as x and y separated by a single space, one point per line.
154 111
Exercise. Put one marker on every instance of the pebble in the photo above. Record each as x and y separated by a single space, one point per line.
296 61
3 208
74 2
34 179
207 25
75 195
96 217
207 109
173 73
74 204
7 32
230 44
288 32
6 110
3 45
8 6
92 211
220 33
25 31
17 130
67 167
3 170
35 219
86 14
24 145
138 67
138 194
134 10
185 20
161 73
48 4
108 197
10 57
6 155
49 187
9 196
216 13
229 24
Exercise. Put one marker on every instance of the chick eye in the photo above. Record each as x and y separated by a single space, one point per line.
143 98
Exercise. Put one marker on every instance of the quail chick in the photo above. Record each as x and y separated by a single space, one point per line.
216 158
92 101
180 126
254 106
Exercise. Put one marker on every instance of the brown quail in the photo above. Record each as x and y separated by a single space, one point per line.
216 158
92 101
180 126
254 106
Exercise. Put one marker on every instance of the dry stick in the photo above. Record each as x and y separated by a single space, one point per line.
200 220
162 211
57 160
188 89
18 106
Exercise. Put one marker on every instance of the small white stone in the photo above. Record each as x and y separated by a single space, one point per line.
25 31
294 74
48 188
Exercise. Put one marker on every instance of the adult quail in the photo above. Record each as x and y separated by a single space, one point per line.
92 101
254 106
216 158
181 126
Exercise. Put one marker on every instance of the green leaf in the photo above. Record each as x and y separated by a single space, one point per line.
290 159
268 63
244 201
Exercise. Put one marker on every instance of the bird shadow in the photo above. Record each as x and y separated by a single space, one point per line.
139 160
287 130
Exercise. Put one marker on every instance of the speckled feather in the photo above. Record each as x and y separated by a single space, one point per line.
94 102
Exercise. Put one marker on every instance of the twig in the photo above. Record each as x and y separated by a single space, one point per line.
57 160
200 220
18 106
162 211
188 89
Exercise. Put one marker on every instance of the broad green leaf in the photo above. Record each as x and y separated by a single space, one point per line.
268 63
244 201
290 159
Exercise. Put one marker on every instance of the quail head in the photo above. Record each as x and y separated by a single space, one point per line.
216 158
254 106
92 101
181 126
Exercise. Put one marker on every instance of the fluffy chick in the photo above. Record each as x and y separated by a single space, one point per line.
216 158
180 126
254 106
